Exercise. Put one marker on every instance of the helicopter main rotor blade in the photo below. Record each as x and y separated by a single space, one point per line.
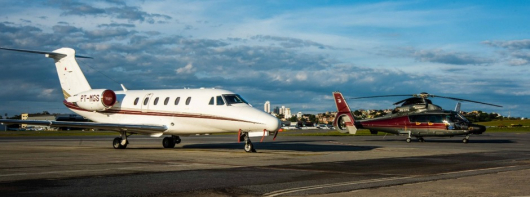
380 96
399 102
459 99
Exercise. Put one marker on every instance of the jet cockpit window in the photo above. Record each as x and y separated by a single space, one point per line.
220 100
234 99
211 101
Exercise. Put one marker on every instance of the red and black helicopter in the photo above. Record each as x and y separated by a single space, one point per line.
416 117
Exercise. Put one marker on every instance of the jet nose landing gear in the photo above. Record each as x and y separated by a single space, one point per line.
249 147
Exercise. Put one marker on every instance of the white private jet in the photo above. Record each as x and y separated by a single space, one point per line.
153 112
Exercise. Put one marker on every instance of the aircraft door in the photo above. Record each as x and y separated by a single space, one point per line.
146 101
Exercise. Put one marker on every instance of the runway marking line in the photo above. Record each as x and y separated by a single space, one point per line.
306 188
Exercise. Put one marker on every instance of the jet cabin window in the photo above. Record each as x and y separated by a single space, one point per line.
188 100
234 99
146 101
177 100
166 101
136 100
156 101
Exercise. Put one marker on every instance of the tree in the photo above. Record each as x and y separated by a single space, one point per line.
293 119
313 118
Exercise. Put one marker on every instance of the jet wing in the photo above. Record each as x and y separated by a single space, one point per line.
135 128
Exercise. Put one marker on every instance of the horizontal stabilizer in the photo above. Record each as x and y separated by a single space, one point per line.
49 54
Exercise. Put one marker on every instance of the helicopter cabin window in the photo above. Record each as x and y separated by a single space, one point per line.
146 100
177 100
136 100
211 101
220 100
418 118
156 101
234 99
434 118
166 101
188 100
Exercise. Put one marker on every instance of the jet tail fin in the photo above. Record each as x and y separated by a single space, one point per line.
72 79
344 119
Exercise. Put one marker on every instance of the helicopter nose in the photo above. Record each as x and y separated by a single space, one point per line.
477 129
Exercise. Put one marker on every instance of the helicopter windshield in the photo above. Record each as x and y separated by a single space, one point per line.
462 117
457 118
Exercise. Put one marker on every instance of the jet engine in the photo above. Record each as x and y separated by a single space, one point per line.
94 100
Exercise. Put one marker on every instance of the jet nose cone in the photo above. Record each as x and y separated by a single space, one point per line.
272 123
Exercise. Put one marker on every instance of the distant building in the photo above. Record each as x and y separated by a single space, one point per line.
287 113
36 117
49 117
277 110
267 107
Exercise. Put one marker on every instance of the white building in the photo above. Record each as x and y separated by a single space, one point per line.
267 107
287 113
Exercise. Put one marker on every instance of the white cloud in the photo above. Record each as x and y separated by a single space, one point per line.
188 69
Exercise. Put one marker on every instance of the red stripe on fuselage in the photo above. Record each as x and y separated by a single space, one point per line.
400 122
135 112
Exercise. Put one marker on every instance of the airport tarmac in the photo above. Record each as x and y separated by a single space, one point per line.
492 164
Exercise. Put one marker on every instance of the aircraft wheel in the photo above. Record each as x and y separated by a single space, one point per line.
465 140
168 142
408 140
249 147
117 143
421 139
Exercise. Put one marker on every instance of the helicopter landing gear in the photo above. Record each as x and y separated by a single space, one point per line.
466 139
408 138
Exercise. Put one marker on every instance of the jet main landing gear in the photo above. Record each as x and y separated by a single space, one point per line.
169 142
120 142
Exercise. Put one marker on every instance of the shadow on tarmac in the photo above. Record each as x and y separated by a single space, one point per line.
287 146
450 140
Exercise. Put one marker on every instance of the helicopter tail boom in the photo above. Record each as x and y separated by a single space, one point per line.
344 119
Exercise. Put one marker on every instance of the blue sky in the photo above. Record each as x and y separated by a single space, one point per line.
292 53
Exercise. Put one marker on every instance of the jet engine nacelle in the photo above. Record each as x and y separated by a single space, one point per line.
94 100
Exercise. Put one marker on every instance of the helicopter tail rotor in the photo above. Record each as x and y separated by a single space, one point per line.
344 121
